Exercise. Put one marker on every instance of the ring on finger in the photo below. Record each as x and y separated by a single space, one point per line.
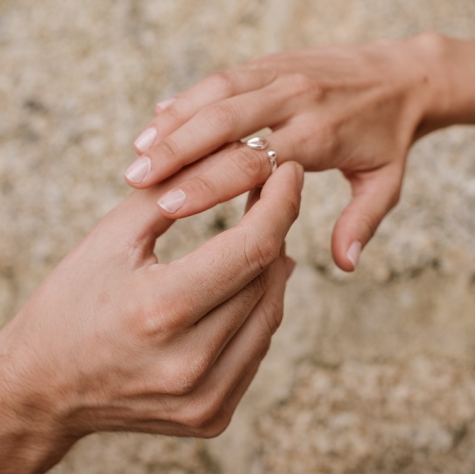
260 143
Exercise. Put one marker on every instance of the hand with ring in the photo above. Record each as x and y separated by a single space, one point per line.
355 108
113 340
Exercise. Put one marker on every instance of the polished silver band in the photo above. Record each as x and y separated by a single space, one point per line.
260 143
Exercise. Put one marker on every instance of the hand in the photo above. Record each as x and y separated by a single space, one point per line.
113 340
355 108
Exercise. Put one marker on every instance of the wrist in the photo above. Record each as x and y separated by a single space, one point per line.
31 436
447 78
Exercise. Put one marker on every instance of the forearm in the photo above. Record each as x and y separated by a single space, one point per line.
29 443
451 75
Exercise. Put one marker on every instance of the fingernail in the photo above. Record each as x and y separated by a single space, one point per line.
172 201
138 170
291 264
353 253
166 103
145 139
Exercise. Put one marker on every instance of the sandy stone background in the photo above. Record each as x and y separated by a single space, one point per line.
370 373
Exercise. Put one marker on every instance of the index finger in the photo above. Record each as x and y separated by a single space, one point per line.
224 265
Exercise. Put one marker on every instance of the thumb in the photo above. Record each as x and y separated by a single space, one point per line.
375 193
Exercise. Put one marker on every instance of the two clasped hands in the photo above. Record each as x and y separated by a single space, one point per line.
115 340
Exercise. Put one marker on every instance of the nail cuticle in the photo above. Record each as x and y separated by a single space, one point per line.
353 253
172 201
166 103
146 139
139 170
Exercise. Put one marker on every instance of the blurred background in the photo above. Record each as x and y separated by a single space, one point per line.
370 373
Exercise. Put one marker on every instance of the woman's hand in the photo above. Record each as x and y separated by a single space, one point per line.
355 108
113 340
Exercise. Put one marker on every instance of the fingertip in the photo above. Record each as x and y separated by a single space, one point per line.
343 263
138 171
346 249
172 201
353 253
145 140
164 104
297 168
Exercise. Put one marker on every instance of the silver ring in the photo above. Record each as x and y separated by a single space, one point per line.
257 143
273 159
260 143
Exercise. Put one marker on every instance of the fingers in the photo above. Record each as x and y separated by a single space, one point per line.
173 113
210 373
199 399
225 264
238 171
135 223
227 380
374 195
223 122
216 329
223 418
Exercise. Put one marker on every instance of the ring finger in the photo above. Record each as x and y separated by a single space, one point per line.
174 112
220 123
236 172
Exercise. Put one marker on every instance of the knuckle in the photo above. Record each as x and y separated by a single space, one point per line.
217 426
253 164
223 83
168 148
157 321
185 374
301 84
174 115
199 414
202 185
262 253
221 115
179 382
291 207
272 313
260 284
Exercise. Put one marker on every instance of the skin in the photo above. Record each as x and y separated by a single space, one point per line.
113 340
355 108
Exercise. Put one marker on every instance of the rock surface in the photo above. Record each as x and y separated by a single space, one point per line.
369 373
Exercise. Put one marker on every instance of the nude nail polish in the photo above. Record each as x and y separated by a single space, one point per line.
172 201
353 254
146 139
166 103
138 170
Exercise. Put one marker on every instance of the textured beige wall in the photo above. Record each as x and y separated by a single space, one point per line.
370 373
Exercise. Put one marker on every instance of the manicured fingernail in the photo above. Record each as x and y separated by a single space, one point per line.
353 253
291 264
172 201
138 170
145 139
166 103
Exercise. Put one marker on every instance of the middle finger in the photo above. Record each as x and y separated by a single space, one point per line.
212 127
238 171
